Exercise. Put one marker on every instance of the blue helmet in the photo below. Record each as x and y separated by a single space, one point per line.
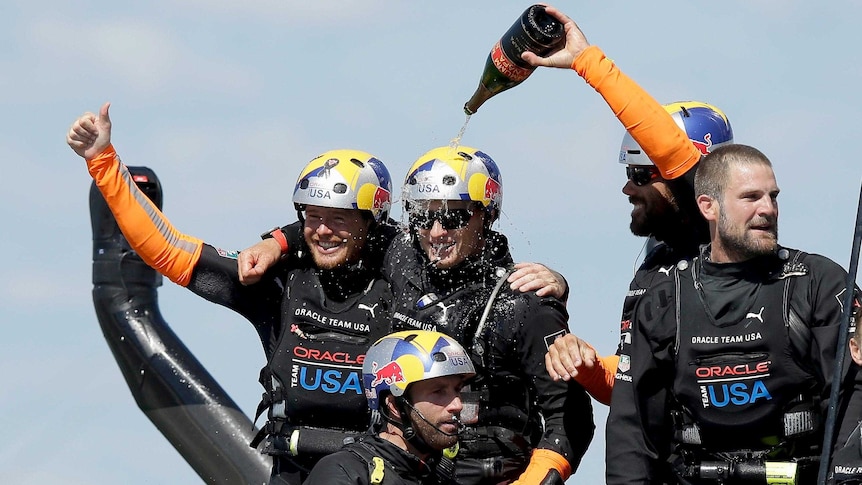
705 125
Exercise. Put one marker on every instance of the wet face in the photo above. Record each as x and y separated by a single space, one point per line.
747 217
449 231
437 405
335 237
653 206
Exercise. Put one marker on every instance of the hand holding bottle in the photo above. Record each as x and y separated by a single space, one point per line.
575 43
534 31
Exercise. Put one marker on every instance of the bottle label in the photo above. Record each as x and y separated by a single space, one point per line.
506 66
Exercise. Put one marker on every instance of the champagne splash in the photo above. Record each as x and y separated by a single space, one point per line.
456 142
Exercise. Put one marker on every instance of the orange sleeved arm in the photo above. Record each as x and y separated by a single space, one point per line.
647 121
148 231
599 381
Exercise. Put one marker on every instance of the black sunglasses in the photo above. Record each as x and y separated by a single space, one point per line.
449 219
641 175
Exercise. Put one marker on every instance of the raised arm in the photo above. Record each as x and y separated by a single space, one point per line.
147 230
641 115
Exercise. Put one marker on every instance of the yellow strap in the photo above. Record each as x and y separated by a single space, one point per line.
377 473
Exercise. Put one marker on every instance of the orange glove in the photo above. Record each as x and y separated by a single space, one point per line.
544 464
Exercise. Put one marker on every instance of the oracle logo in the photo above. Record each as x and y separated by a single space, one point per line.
315 354
734 370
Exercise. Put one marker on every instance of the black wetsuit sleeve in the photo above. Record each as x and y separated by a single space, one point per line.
215 278
566 408
637 430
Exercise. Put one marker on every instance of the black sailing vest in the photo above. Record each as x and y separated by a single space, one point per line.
736 381
314 377
505 422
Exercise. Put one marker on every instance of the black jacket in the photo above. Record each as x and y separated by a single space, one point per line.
639 424
355 464
517 395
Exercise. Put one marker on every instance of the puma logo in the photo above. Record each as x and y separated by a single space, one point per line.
445 308
758 315
370 309
666 271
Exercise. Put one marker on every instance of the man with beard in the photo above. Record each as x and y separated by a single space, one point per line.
449 273
661 160
660 212
731 356
315 321
413 382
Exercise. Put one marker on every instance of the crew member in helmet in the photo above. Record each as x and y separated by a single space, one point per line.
667 215
450 273
315 321
413 381
729 370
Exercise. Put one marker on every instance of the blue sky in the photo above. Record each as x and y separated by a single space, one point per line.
227 101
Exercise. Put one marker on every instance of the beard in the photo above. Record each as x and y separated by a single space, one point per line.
434 437
654 216
744 244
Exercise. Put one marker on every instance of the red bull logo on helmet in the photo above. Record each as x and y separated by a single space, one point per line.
492 190
381 199
388 374
704 146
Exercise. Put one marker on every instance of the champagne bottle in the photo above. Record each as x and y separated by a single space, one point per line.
534 31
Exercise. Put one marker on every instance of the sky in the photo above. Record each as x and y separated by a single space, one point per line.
227 101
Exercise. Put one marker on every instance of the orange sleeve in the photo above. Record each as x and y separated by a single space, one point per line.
599 381
647 121
148 231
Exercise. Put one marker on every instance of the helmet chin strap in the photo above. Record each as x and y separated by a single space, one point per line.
422 417
409 431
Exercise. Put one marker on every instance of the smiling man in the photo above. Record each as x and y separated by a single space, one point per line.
315 319
448 274
729 368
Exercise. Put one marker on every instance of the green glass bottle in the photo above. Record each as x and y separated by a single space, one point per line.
534 31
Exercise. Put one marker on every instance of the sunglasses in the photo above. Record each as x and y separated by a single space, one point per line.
641 175
449 219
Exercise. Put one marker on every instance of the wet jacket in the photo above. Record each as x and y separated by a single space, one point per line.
372 461
662 383
508 350
314 325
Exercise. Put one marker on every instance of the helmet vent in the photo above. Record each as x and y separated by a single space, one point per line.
303 184
685 112
633 152
340 188
439 357
357 163
466 155
448 180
